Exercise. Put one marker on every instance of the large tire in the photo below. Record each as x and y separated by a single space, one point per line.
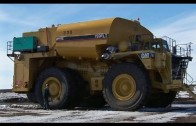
126 87
93 101
32 97
62 88
161 99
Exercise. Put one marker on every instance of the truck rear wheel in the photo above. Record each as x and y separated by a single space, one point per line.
161 99
61 87
126 87
32 97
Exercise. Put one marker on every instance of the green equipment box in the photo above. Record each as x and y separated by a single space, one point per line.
24 44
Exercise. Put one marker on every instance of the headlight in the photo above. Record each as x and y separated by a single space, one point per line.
111 49
105 56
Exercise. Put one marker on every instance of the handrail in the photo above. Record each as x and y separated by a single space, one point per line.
10 49
183 50
187 81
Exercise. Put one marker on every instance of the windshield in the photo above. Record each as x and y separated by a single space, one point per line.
165 46
157 45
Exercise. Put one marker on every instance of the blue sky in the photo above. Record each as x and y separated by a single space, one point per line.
177 21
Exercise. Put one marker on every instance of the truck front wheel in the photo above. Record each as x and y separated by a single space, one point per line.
126 87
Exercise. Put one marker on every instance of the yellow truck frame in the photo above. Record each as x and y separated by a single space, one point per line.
112 61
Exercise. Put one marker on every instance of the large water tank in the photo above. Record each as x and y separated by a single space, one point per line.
89 39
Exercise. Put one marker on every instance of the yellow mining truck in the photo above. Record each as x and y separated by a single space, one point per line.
112 61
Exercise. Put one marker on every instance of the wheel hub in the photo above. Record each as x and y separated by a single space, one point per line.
124 87
54 87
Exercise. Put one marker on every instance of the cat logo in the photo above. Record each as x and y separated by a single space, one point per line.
146 55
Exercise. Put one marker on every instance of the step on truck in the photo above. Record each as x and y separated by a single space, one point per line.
112 61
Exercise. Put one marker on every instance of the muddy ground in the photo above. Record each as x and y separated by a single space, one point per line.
16 108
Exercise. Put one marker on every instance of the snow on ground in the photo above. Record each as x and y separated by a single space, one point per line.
10 95
183 94
161 118
89 116
30 112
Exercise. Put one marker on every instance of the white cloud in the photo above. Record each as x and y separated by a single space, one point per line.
3 16
6 71
8 17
